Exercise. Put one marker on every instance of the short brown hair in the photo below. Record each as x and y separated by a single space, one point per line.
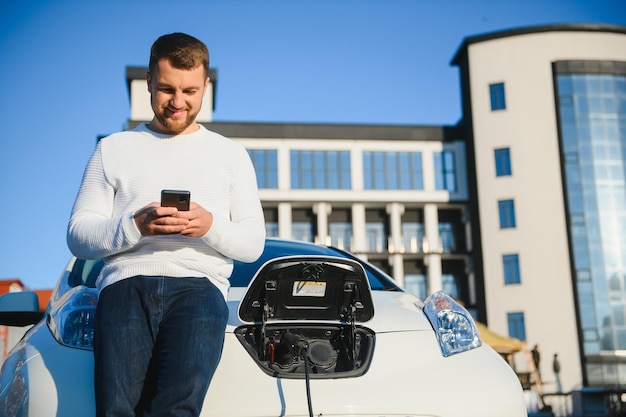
183 51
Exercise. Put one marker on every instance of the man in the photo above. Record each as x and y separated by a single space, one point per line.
161 311
536 359
556 367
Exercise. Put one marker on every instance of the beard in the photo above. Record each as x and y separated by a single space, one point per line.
174 125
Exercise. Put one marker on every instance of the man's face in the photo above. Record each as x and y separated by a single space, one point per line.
176 97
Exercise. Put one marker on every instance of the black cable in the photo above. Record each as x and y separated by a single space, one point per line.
307 379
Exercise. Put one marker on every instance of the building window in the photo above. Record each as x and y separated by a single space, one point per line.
506 209
340 235
271 229
302 224
510 264
517 328
376 230
496 93
452 224
445 171
392 170
266 167
376 240
416 284
271 222
413 237
503 162
449 285
447 238
320 170
302 231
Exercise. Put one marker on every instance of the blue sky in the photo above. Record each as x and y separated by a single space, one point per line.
374 62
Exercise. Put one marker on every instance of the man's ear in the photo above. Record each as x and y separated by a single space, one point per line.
148 79
206 85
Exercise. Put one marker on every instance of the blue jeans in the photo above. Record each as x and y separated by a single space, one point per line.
158 341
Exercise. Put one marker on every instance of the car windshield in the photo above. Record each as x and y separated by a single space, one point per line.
85 272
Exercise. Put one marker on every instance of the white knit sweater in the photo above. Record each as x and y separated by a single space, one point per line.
129 169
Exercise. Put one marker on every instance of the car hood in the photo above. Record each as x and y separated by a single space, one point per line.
383 311
396 311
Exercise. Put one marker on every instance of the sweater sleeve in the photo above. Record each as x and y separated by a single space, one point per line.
92 231
242 236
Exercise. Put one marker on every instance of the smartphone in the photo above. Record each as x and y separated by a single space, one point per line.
176 198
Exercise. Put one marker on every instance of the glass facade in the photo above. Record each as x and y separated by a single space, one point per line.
591 100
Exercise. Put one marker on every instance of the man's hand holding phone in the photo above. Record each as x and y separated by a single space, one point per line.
200 221
154 220
175 215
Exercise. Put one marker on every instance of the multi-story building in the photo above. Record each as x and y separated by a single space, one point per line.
519 210
545 124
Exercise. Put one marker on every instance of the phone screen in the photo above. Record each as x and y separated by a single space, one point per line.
176 198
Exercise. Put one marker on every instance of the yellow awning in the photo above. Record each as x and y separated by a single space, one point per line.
499 343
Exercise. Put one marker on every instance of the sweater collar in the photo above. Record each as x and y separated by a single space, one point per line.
143 128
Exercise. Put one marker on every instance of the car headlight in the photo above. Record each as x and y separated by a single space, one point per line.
454 326
72 318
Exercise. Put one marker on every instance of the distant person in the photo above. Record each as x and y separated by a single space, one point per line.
556 367
536 359
162 312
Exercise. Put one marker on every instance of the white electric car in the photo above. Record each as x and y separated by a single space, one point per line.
313 331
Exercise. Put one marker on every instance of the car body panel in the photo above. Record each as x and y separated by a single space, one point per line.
427 381
60 380
424 381
408 375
